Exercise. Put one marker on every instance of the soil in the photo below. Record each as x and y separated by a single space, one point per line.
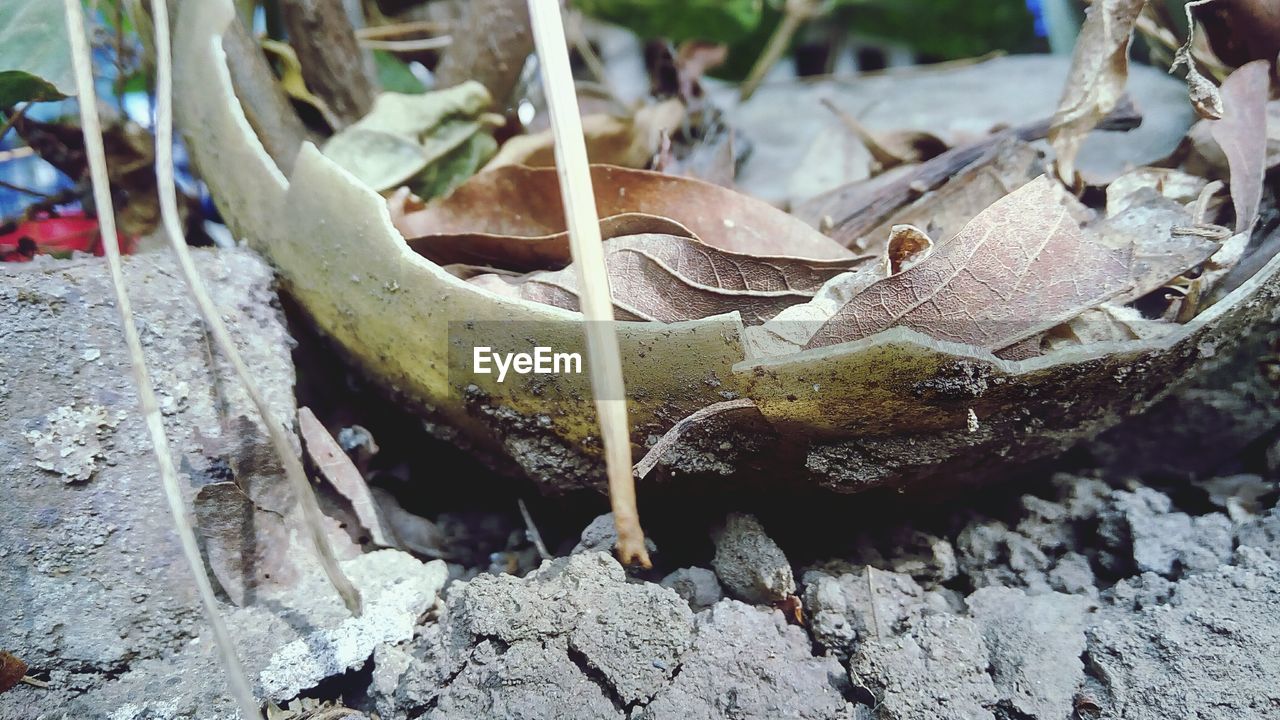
1101 585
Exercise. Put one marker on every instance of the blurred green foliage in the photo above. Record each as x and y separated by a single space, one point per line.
726 21
946 29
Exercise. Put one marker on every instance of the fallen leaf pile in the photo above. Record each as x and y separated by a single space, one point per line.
987 243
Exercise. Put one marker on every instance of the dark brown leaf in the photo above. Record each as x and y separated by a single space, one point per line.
1020 267
521 201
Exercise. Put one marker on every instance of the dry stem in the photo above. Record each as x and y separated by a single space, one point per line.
92 130
603 354
297 477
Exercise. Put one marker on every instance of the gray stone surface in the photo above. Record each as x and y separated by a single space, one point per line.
850 605
1168 542
698 586
750 565
1209 652
747 663
1034 644
936 669
97 597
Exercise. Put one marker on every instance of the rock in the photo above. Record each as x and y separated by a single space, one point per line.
95 591
1164 541
529 679
749 563
1208 652
600 535
1073 575
859 606
577 612
1263 533
1034 644
937 669
1240 495
396 590
989 553
746 662
698 586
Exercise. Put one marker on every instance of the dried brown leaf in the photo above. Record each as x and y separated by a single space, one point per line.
343 474
527 254
667 278
12 670
1151 228
908 246
247 547
522 201
1020 267
891 148
1099 70
944 211
1242 135
624 141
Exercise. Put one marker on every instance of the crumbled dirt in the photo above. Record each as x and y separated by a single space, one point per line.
1090 589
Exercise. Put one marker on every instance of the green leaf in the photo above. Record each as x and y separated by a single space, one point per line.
35 56
679 20
394 75
442 137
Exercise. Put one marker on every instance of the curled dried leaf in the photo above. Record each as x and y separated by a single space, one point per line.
908 245
527 254
523 201
1242 135
624 141
1204 95
1099 69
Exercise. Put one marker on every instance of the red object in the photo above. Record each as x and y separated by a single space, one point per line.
60 235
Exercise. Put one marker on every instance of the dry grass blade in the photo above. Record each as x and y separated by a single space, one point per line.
92 130
669 439
173 228
603 353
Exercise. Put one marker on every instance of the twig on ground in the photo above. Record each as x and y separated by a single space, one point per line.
419 45
92 130
669 438
293 470
797 13
532 530
603 353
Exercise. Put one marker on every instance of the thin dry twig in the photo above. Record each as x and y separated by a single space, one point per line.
603 353
92 129
534 536
419 45
294 472
669 438
797 13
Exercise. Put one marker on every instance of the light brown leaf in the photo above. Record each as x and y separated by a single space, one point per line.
666 278
611 140
1242 135
1149 228
790 330
527 254
338 469
522 201
1172 184
1020 267
1099 70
